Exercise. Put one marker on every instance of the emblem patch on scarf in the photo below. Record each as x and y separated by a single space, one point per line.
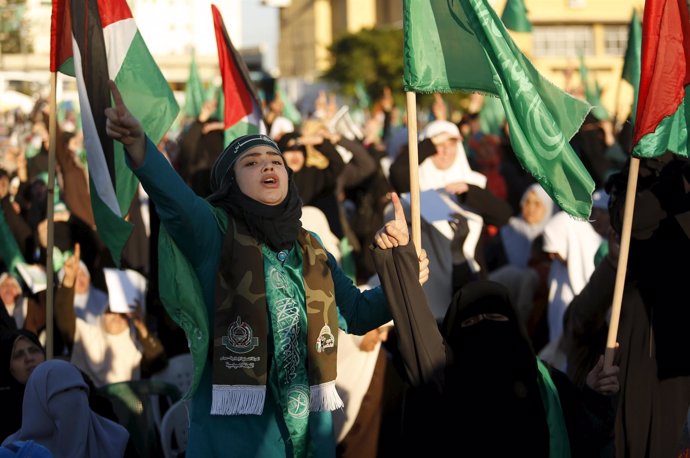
240 338
325 340
298 401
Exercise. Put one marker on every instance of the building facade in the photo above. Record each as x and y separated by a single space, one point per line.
566 31
562 31
309 27
170 28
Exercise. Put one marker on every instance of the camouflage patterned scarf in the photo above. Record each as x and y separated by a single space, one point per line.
241 326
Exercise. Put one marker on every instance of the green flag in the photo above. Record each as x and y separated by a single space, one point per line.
194 91
633 59
216 93
9 249
592 94
514 16
491 116
362 96
452 46
290 111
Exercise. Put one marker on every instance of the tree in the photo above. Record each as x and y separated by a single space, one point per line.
13 27
373 57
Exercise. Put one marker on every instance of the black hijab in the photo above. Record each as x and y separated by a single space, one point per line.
660 225
11 391
275 225
492 375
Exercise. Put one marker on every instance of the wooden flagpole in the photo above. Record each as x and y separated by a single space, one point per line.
622 261
615 106
414 170
52 131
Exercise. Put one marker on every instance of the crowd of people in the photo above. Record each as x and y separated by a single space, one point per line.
282 263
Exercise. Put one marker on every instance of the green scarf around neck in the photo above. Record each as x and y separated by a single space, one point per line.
241 331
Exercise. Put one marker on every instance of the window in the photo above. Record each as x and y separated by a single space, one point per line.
615 40
563 40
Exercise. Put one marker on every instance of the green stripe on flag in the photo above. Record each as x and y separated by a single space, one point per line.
150 100
67 68
671 134
126 182
148 94
111 227
238 129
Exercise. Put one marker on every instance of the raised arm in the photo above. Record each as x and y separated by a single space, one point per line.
123 126
66 318
187 217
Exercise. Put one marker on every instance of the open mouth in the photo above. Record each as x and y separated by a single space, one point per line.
270 180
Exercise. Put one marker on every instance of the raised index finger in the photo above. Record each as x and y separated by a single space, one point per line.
77 251
119 103
397 206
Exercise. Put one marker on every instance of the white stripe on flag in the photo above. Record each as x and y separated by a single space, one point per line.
255 119
118 38
98 169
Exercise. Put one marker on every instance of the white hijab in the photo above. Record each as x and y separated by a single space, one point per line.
576 242
517 236
56 414
314 220
431 177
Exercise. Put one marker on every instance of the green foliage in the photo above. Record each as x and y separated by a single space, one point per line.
13 32
373 57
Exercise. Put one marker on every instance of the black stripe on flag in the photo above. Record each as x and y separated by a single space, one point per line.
88 32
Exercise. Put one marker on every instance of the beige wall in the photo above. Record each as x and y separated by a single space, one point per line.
561 11
361 14
389 13
308 27
323 28
616 94
305 34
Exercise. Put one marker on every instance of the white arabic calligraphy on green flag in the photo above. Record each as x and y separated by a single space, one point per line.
453 45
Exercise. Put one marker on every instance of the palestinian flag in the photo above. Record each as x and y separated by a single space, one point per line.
243 114
97 41
661 121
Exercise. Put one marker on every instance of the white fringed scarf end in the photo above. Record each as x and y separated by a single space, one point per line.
324 397
238 400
